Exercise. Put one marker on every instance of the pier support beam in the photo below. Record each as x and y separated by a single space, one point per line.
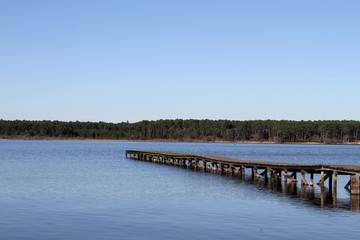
221 167
335 180
255 173
355 185
213 166
292 177
322 180
311 179
303 179
269 170
231 168
324 177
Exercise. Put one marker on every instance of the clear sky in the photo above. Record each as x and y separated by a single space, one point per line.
132 60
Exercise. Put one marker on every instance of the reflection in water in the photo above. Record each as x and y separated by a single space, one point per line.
311 195
355 202
88 190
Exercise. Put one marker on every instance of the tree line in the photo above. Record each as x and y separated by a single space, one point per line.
283 131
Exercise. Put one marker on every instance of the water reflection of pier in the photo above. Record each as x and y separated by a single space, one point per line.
277 176
319 197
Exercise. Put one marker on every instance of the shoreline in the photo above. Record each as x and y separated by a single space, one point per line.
38 138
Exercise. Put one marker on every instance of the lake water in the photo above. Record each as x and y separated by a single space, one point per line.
89 190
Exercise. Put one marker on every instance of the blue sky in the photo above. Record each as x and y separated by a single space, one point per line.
132 60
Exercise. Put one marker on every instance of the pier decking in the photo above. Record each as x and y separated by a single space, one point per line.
273 170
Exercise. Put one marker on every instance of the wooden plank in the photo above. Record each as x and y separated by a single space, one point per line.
315 168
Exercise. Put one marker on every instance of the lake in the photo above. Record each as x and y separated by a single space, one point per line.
89 190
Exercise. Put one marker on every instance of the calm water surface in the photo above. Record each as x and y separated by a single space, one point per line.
89 190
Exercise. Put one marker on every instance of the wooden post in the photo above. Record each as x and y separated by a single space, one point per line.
196 162
355 203
231 168
213 166
271 172
335 180
321 182
330 182
335 198
303 179
311 179
294 177
286 175
255 172
322 196
355 185
266 174
242 172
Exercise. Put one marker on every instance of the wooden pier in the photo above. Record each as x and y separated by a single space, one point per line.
266 169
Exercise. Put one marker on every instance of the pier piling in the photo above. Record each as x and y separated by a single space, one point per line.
272 170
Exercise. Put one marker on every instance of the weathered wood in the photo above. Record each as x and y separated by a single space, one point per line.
303 179
278 174
355 185
355 202
274 168
322 196
287 176
335 180
330 176
324 178
214 166
311 179
294 177
321 181
347 169
221 167
255 173
271 172
231 168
